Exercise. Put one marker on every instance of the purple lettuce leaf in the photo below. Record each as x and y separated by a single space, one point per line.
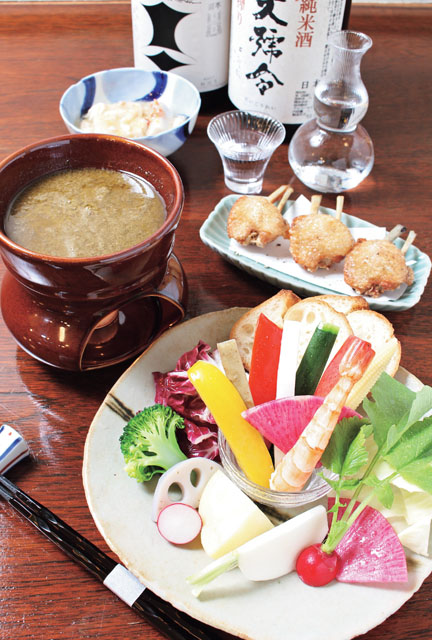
199 437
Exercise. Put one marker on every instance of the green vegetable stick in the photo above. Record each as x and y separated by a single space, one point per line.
315 359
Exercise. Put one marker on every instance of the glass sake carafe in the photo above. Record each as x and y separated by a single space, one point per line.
333 152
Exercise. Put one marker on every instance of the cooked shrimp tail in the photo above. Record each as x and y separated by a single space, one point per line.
296 467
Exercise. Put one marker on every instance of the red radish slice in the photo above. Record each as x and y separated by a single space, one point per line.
370 551
282 421
179 523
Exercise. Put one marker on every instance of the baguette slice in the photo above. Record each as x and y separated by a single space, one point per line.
376 329
344 304
310 313
243 331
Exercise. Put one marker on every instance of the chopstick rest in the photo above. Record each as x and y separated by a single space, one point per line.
161 614
13 447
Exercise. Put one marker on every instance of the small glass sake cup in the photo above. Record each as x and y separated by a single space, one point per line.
277 503
245 141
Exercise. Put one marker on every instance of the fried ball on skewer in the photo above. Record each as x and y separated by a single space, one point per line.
256 220
318 240
374 266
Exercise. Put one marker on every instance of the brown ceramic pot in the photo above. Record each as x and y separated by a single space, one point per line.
86 313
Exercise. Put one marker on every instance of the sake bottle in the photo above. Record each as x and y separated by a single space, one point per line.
184 37
279 52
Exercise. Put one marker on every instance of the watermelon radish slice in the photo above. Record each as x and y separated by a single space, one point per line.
282 421
370 551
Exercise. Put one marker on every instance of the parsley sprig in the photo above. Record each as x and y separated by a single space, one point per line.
403 438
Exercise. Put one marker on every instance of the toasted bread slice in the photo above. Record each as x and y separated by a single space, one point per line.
344 304
311 312
376 329
243 331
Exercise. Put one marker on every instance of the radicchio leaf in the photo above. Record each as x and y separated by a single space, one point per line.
199 438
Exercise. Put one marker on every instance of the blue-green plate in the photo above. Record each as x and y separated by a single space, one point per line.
213 233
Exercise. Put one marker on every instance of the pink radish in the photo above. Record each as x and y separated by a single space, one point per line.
179 523
282 421
370 551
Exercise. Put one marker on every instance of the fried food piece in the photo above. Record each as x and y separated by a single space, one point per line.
317 240
255 220
374 266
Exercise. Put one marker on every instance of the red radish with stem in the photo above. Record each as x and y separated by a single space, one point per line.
179 523
316 567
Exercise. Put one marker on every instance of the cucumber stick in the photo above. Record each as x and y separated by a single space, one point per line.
315 359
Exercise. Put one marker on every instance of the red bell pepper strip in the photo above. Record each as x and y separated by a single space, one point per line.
265 360
331 373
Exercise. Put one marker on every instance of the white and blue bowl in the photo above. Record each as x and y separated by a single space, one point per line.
176 94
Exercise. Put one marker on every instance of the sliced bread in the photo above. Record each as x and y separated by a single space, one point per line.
311 312
344 304
376 329
243 331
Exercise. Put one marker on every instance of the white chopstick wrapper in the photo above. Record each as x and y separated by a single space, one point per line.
13 447
124 584
287 369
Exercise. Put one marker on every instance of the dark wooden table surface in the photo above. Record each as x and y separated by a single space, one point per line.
44 48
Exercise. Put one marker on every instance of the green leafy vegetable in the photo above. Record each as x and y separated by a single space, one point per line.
149 443
403 439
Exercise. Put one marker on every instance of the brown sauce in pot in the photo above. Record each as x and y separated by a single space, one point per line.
84 213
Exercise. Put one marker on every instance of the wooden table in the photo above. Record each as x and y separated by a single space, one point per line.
45 47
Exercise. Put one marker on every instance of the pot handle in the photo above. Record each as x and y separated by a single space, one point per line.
92 340
128 330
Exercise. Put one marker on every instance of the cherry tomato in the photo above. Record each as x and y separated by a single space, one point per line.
315 567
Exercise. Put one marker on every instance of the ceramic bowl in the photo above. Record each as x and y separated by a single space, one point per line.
278 503
85 313
176 95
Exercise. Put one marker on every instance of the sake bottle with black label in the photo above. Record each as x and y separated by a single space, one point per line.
187 37
278 53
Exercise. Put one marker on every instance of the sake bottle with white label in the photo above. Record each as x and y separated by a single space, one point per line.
279 52
187 37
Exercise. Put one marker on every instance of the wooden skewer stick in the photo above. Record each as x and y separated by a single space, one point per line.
395 232
339 207
408 242
275 195
284 199
315 203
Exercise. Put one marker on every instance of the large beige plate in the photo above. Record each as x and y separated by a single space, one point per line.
284 609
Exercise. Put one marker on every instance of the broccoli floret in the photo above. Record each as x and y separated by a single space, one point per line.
149 444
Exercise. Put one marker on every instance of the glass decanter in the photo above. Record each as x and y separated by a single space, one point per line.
333 152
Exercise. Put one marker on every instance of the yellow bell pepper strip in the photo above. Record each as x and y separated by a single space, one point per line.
226 406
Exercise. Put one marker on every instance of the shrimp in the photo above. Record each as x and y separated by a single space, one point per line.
296 467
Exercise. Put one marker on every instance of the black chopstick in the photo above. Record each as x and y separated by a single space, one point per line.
161 614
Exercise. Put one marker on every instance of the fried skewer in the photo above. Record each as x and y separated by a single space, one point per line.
318 240
374 266
257 220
